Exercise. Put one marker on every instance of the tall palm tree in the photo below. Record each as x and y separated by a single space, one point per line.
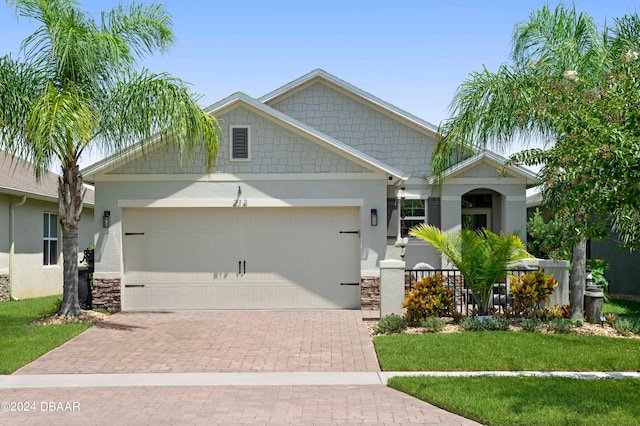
481 256
76 85
554 47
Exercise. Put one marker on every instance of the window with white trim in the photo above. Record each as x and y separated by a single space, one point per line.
50 239
412 213
240 143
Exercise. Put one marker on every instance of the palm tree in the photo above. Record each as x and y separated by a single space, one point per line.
76 85
556 47
481 256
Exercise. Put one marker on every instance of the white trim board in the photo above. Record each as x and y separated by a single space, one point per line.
250 202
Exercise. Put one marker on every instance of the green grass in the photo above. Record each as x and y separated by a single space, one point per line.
544 401
506 351
622 308
21 343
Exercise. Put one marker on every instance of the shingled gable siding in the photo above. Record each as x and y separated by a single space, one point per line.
274 149
361 127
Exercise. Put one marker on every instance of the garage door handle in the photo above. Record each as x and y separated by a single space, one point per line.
239 267
349 283
134 233
244 266
133 285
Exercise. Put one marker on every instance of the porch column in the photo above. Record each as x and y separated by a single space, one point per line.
391 287
514 215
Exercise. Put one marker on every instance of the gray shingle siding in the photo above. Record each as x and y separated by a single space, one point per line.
274 149
361 127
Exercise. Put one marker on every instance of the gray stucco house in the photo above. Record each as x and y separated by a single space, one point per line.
31 263
315 184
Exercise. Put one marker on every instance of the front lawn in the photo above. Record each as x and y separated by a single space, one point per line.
541 401
21 343
623 308
521 400
506 351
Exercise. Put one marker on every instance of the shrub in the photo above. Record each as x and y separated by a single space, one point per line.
470 324
457 317
636 327
560 325
611 319
551 312
432 324
530 325
429 298
496 324
391 324
623 327
530 291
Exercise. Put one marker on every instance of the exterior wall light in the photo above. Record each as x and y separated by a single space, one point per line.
106 219
374 217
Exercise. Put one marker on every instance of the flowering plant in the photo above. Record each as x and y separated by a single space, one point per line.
598 267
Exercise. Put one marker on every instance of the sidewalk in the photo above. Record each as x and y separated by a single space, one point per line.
265 379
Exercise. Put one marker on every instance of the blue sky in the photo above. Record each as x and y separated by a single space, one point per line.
412 53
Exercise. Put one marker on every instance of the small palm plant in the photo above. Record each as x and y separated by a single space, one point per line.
481 256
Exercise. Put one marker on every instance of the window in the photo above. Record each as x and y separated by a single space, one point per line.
412 213
240 143
50 239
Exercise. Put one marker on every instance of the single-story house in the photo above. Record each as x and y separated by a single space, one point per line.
30 234
315 184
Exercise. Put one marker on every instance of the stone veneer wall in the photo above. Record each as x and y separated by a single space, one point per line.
4 288
370 293
106 294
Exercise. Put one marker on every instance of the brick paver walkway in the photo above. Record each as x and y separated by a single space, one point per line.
216 342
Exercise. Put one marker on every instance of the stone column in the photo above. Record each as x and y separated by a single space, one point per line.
391 287
560 271
4 287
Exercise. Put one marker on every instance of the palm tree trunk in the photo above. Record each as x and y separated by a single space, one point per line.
70 305
70 196
577 279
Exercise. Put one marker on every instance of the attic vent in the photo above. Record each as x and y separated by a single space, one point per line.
240 147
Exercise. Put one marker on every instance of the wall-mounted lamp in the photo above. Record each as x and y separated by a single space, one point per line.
374 217
106 219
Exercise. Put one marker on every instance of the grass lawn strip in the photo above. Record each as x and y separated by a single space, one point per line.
545 401
22 343
506 351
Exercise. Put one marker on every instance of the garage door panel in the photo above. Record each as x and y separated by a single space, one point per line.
295 258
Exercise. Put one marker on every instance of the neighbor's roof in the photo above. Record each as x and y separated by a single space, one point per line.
17 177
341 84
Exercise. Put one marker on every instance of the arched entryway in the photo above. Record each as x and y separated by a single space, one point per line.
481 209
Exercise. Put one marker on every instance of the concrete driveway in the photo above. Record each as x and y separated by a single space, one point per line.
237 367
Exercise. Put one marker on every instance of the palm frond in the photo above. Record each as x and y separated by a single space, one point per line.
146 106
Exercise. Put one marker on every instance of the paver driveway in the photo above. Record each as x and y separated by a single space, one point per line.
213 343
233 341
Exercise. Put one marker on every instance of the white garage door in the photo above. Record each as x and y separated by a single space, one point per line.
241 258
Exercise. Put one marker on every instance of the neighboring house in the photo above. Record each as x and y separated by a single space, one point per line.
30 234
622 263
315 183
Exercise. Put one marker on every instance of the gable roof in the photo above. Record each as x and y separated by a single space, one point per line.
379 104
530 177
243 99
17 177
